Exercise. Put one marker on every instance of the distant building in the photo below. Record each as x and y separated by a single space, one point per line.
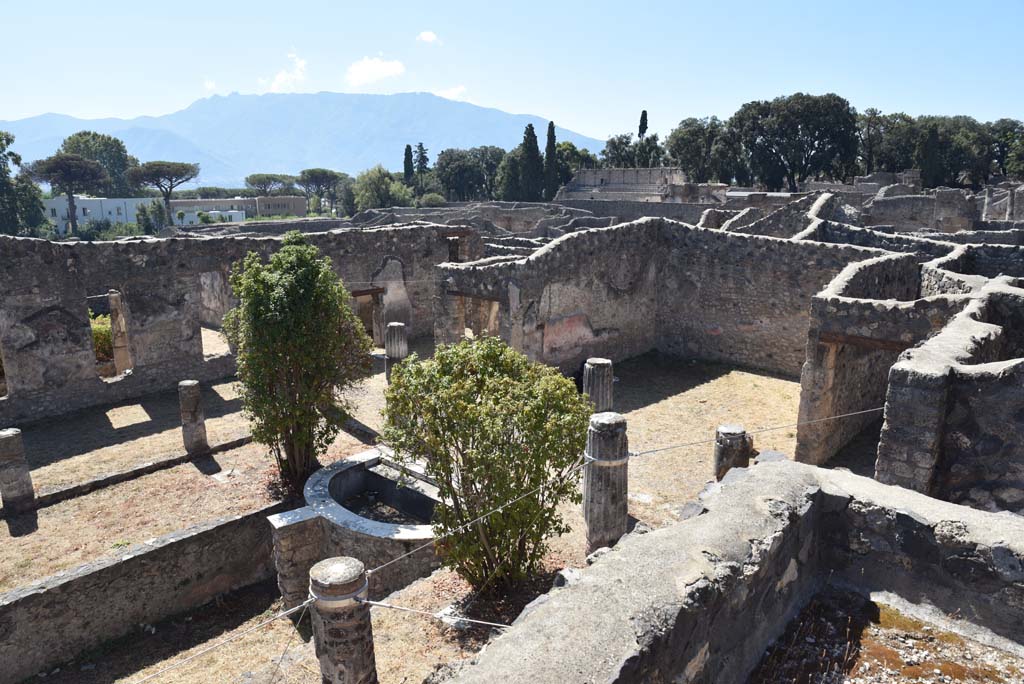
115 209
283 205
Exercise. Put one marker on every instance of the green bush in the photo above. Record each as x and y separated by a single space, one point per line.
102 338
490 426
432 199
300 347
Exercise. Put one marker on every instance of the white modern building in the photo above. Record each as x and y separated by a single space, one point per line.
119 210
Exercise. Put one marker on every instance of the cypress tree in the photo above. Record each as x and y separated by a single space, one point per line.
531 168
409 168
550 165
643 124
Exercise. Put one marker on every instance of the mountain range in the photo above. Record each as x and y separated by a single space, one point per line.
231 136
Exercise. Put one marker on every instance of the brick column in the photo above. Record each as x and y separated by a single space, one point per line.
342 632
396 346
606 480
15 479
598 377
733 448
193 422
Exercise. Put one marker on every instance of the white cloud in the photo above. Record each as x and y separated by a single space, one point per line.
209 85
287 80
428 37
372 69
454 93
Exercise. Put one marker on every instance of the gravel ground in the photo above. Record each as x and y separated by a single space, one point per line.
842 638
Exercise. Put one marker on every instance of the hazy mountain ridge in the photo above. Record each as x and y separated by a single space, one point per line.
235 135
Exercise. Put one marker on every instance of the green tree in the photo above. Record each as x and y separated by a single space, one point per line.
490 427
870 130
421 160
317 183
1015 160
489 158
797 135
21 204
266 184
691 146
71 174
550 165
898 144
1005 134
509 177
649 152
376 188
408 166
300 347
531 167
181 217
619 152
642 129
164 176
929 158
110 153
731 159
460 173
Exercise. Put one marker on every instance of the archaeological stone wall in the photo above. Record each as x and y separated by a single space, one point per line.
650 284
860 323
52 621
953 425
701 600
169 288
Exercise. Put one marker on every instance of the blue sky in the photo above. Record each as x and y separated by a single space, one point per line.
589 66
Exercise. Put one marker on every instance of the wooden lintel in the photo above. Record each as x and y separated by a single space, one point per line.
859 341
363 293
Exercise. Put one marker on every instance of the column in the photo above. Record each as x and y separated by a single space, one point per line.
733 448
15 478
598 378
396 346
193 422
606 480
342 633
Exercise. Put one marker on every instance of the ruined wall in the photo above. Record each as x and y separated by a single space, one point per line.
953 427
54 620
627 210
742 299
589 293
859 325
46 342
651 284
787 221
700 600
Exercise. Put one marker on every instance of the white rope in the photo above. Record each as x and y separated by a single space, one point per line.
757 432
436 616
302 606
462 527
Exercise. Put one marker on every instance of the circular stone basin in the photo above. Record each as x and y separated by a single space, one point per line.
369 494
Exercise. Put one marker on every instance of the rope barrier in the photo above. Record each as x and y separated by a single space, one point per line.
436 616
302 606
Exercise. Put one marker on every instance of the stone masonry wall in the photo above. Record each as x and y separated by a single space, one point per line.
52 621
699 601
45 338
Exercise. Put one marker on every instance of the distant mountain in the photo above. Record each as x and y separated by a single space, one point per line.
235 135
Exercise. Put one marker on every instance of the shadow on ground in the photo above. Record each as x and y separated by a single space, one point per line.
55 439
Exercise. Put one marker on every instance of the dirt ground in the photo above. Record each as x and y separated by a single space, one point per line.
665 402
101 440
842 638
107 521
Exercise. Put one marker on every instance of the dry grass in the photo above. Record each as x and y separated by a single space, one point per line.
106 521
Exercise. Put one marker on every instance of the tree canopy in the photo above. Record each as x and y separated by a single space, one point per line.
266 184
531 167
461 174
21 206
71 174
551 179
299 347
376 188
164 176
490 427
110 153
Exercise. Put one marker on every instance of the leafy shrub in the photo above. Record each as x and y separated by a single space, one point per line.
432 199
102 338
490 426
299 347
